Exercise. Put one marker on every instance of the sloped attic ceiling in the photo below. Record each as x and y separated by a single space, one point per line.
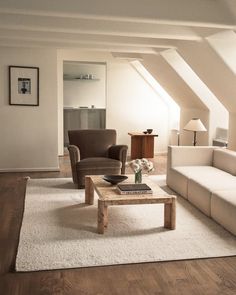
120 26
142 27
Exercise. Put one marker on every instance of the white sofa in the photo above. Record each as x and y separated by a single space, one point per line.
206 176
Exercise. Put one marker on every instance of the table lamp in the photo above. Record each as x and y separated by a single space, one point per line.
195 124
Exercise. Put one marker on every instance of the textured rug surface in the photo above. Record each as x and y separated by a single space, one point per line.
60 231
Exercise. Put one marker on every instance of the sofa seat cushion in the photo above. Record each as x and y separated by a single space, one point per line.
202 181
177 178
209 177
96 166
223 209
177 182
199 196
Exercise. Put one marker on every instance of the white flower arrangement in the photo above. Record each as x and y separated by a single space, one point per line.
140 165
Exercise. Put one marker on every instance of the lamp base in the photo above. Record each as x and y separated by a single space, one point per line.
194 138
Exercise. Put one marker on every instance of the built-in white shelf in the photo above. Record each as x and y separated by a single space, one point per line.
88 77
82 108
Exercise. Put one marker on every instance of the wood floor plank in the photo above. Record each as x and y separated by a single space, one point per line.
191 277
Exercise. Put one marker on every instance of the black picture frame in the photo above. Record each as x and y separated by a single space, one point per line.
23 86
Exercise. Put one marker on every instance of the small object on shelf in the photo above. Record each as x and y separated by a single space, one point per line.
132 189
83 107
80 77
145 132
149 131
114 179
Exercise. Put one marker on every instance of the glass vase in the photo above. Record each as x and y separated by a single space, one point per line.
138 176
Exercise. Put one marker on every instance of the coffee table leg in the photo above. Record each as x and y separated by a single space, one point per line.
89 191
170 214
102 216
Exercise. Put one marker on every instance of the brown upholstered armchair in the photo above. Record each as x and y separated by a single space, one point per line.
94 152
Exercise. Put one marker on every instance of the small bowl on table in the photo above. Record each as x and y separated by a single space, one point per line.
145 132
114 179
149 131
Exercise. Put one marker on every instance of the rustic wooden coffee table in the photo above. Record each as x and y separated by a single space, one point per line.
108 196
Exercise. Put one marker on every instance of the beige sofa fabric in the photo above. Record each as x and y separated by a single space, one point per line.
178 182
190 156
185 156
209 177
199 196
225 160
194 173
201 181
223 209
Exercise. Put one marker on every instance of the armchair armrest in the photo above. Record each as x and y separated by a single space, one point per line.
74 158
118 152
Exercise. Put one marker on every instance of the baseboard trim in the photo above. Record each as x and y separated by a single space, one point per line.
39 169
162 153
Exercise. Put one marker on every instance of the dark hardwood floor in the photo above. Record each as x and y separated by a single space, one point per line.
202 276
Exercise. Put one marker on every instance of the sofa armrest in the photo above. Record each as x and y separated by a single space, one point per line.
118 152
74 158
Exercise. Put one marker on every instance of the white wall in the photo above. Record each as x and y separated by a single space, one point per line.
172 106
232 131
191 106
218 115
132 105
173 84
85 92
29 134
224 44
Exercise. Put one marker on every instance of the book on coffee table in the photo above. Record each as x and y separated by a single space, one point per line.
134 188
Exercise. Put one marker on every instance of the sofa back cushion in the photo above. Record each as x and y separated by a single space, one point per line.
225 160
190 156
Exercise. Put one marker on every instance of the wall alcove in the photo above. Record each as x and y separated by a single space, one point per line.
84 96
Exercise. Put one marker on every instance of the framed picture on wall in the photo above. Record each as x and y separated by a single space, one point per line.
23 86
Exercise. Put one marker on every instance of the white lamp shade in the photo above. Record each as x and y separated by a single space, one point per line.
195 125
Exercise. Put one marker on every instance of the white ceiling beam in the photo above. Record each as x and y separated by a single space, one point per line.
7 42
85 39
189 12
212 70
100 27
224 44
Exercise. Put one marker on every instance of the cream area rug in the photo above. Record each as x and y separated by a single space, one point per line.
60 231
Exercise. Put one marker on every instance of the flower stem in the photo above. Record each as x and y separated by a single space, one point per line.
138 177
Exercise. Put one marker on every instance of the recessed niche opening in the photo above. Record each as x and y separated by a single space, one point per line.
84 96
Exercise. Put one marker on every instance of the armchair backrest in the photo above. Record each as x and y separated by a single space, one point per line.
92 142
